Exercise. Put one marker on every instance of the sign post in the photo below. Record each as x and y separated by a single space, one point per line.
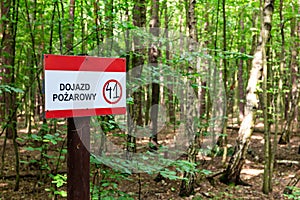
77 87
78 160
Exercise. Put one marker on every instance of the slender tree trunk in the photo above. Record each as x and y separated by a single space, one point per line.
97 20
55 4
279 103
109 25
61 16
10 10
294 92
8 61
224 76
267 177
109 9
241 72
83 29
233 170
170 97
154 54
187 186
70 36
298 47
254 42
139 20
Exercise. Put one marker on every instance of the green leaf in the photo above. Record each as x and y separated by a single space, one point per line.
59 179
62 193
105 184
50 138
33 148
35 137
206 172
10 89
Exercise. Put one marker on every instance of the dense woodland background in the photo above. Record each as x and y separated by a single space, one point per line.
254 47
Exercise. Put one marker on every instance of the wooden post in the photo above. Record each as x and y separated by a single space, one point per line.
78 160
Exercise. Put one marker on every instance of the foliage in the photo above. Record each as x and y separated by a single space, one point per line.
107 187
8 88
295 194
59 181
41 144
48 162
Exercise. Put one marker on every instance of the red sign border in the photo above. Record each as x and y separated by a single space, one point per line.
85 112
84 63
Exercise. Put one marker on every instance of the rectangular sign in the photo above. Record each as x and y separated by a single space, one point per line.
84 86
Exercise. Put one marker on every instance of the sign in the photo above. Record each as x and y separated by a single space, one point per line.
84 86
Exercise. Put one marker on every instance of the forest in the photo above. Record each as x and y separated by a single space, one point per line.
212 100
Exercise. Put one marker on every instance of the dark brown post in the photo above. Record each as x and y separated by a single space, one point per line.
78 161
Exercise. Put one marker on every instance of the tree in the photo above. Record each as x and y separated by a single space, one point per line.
154 54
70 34
136 118
293 97
9 18
187 185
233 170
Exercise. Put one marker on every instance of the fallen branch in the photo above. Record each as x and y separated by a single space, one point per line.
211 179
258 130
255 129
215 174
287 162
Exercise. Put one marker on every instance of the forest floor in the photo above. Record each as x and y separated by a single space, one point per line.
252 173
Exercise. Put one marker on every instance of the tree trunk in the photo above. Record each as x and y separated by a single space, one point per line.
139 20
233 170
168 93
83 25
97 21
154 53
109 9
294 92
70 36
224 76
136 117
7 53
187 185
241 72
267 177
9 10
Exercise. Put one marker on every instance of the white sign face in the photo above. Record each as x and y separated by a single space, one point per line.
81 90
84 93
